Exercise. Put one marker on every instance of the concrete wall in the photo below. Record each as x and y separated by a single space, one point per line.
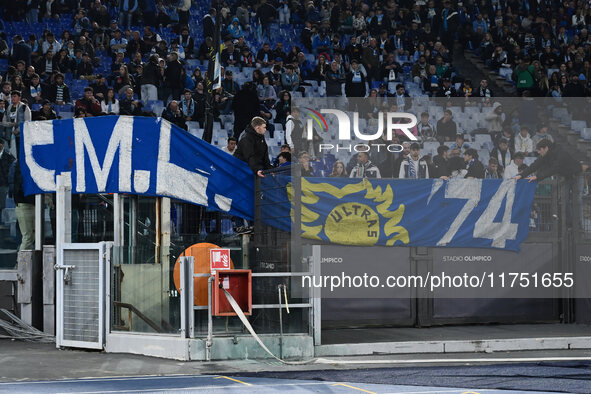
245 347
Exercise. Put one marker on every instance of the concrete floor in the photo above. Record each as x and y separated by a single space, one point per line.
227 384
24 361
33 367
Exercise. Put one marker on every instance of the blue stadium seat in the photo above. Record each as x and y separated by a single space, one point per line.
318 168
328 160
63 108
192 63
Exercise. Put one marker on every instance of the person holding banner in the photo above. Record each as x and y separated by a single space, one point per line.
553 160
473 165
252 148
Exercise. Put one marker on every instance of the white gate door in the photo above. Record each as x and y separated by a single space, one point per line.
80 285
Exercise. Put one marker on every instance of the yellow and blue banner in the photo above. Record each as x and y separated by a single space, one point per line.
486 213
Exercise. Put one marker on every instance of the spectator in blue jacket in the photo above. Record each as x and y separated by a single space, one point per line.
290 81
235 30
321 43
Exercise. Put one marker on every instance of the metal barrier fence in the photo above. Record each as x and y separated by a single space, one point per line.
277 268
549 227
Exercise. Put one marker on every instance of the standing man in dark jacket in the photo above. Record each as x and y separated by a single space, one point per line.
252 148
172 78
449 25
246 106
209 23
20 51
151 77
6 160
446 127
552 161
555 161
441 163
266 15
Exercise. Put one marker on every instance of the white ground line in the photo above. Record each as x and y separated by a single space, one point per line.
452 360
110 379
228 387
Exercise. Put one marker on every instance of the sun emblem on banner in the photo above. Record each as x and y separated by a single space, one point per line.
355 214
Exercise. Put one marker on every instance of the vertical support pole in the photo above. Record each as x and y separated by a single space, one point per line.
164 231
63 210
117 228
107 270
132 229
49 289
158 235
114 270
245 251
26 284
183 291
209 341
316 296
280 322
191 296
39 219
103 263
187 294
63 234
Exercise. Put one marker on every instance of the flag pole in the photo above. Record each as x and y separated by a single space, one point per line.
213 78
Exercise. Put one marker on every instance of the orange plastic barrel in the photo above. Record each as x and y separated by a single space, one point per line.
200 253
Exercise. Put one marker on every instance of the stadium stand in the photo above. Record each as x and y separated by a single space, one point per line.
303 50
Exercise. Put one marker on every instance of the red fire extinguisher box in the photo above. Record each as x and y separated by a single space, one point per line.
236 282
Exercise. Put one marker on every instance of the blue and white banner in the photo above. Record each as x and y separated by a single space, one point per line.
137 155
473 213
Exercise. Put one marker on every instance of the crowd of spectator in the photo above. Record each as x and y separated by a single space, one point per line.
351 48
544 46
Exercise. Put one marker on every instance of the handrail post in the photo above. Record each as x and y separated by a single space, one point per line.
209 341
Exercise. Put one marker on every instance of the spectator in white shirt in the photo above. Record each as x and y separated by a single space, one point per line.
523 142
110 105
512 170
231 146
293 124
51 44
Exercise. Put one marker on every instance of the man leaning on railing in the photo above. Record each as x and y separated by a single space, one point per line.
553 160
